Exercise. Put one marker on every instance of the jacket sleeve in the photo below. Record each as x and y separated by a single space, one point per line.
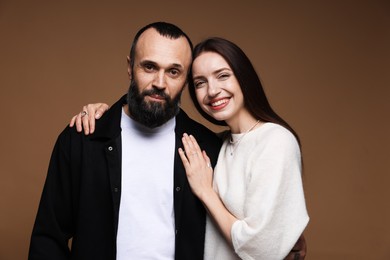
54 224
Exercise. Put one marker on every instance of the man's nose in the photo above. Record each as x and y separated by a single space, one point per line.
159 80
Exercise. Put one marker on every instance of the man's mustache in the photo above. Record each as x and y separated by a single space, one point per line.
158 92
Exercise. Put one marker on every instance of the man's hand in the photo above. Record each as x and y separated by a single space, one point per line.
299 250
86 118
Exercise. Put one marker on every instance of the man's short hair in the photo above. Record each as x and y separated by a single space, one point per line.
165 29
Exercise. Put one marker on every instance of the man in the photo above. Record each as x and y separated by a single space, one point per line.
121 193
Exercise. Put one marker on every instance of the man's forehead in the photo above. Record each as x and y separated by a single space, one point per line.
155 47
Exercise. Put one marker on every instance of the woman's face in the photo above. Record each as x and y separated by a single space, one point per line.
216 87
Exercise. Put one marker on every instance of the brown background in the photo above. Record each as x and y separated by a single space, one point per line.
324 64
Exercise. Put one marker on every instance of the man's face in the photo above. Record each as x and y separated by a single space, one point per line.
157 78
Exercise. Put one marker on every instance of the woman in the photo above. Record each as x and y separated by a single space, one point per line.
255 197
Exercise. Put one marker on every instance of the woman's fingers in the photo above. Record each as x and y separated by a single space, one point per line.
191 147
184 159
207 159
85 114
194 143
95 111
72 121
194 155
85 120
103 107
81 121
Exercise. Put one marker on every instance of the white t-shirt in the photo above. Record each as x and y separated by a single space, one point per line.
146 228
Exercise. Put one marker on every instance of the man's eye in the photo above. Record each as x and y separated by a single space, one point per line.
148 67
174 72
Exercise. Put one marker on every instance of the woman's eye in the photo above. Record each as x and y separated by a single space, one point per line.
199 84
224 76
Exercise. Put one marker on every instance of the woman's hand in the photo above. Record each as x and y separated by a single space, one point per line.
197 166
200 177
86 118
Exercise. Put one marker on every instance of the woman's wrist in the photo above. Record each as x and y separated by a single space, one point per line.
208 195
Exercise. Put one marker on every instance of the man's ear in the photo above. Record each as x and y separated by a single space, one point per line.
129 67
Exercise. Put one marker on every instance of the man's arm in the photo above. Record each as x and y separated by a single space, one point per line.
53 224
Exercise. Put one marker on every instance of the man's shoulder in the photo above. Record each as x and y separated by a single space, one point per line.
108 126
185 124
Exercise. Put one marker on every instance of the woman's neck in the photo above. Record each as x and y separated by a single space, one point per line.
241 123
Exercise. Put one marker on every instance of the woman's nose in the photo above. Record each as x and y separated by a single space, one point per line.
213 89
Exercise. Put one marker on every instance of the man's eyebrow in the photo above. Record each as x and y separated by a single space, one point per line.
176 65
147 62
150 62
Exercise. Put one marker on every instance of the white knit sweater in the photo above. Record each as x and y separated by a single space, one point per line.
261 185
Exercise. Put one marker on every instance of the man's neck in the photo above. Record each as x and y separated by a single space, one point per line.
126 109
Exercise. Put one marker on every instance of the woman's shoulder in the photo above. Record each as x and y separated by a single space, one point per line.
275 134
275 142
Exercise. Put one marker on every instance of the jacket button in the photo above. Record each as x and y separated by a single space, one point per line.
116 189
110 148
178 189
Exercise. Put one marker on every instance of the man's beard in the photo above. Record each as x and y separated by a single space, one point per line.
151 114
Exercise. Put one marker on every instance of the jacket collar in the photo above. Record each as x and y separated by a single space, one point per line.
109 126
182 123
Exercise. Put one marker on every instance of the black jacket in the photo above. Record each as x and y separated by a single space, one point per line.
81 196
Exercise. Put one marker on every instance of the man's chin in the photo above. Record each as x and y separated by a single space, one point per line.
152 105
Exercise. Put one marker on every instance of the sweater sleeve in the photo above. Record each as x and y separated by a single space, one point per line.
274 212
